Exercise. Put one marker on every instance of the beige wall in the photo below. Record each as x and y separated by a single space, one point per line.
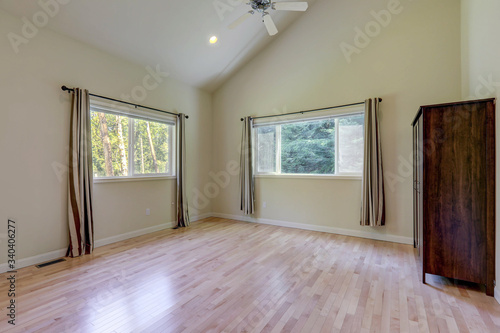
481 70
414 60
34 131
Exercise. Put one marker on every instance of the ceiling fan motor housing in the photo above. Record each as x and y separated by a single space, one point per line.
260 5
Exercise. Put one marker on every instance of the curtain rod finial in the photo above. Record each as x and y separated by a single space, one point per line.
64 88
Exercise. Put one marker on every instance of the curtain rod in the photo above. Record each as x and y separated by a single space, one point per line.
306 111
64 88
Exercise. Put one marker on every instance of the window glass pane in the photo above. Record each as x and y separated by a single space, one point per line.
109 145
351 148
266 149
151 147
308 147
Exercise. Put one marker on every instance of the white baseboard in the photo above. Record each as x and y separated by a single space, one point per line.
331 230
132 234
140 232
496 292
35 260
113 239
200 217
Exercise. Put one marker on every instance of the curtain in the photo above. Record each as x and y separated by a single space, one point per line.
80 215
182 204
373 202
246 169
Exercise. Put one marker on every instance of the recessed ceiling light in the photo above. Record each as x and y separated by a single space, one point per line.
213 39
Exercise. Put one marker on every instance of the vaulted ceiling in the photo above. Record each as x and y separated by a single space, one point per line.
172 34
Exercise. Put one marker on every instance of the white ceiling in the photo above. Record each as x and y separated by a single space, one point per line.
172 34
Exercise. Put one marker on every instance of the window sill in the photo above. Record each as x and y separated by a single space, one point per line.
319 177
131 179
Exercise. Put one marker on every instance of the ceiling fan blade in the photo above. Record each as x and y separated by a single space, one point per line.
295 6
240 20
270 26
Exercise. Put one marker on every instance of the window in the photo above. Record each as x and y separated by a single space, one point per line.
330 145
125 144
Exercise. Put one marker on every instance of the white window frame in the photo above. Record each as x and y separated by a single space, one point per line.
133 115
337 174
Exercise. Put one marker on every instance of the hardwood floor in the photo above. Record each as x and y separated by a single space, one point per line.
228 276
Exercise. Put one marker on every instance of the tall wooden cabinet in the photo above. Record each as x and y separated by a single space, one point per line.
454 190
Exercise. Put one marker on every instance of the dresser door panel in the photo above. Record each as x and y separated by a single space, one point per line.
454 192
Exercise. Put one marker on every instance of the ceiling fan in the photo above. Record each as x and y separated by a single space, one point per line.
263 6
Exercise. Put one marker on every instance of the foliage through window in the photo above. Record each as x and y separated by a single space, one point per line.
326 146
124 146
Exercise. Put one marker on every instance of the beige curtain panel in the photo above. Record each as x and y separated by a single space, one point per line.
80 215
373 199
246 169
182 203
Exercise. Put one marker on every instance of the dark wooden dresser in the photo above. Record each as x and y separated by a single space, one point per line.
454 190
